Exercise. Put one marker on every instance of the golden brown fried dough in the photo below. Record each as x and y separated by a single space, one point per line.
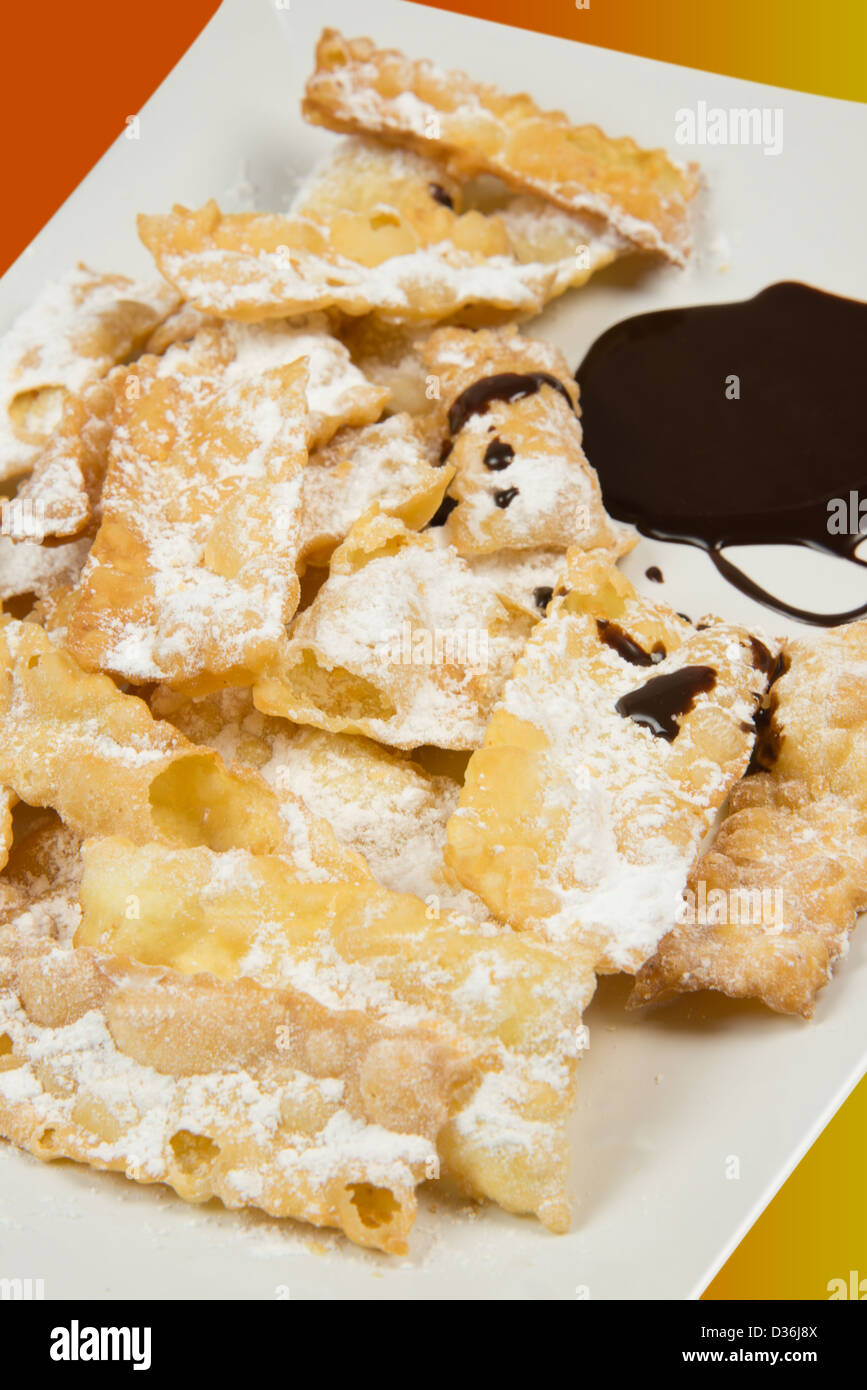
772 903
507 411
75 331
72 741
477 129
381 803
583 812
402 643
261 1097
386 465
518 1000
370 232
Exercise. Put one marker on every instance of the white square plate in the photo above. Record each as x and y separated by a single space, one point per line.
665 1100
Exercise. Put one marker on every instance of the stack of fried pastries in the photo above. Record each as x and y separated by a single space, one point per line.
327 777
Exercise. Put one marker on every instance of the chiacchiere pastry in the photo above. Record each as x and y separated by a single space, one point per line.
375 230
8 800
507 410
378 801
71 335
261 1097
389 465
192 574
68 475
73 742
476 129
403 643
30 570
69 471
337 757
614 744
517 1000
772 903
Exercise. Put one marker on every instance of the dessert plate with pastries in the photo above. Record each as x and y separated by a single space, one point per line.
433 719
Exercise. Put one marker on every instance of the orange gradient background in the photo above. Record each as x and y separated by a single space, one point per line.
70 74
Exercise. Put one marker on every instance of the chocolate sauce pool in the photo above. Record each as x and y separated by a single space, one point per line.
687 454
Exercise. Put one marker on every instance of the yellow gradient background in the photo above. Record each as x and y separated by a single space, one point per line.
815 1229
813 45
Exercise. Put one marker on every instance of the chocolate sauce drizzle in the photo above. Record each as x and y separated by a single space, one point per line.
505 386
763 658
542 596
656 704
684 459
769 736
613 635
443 511
439 194
498 455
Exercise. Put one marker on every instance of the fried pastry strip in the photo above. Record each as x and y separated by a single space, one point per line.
338 394
191 577
7 804
477 129
773 901
73 741
27 568
519 1000
524 578
179 327
614 744
40 882
508 414
70 336
100 1089
390 354
387 465
69 472
261 1097
552 250
285 1146
378 802
375 229
402 643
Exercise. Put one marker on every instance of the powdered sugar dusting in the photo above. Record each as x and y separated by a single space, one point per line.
77 328
631 809
387 465
214 531
378 619
29 568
